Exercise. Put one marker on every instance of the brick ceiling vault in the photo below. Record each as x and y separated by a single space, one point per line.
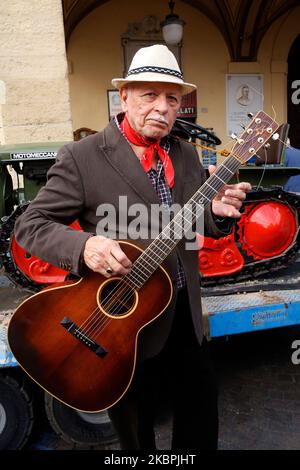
243 23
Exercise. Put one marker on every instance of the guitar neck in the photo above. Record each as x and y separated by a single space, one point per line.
177 228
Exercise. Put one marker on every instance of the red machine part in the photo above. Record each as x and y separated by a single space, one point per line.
36 269
267 229
264 230
219 257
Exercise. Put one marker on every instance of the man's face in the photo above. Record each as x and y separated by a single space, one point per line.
245 92
151 108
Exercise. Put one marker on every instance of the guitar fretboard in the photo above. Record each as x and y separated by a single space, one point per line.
182 222
255 135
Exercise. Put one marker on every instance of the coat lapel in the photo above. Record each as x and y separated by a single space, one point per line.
120 155
178 163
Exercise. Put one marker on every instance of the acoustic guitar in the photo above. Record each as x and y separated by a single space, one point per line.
79 341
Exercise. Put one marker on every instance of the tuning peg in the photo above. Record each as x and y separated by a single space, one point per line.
235 137
275 136
243 126
250 115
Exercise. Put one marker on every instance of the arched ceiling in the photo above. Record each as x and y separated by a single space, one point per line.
243 23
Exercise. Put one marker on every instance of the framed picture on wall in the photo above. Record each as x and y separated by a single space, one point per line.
144 33
114 103
244 95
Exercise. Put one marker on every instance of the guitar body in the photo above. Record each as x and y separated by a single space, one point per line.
78 341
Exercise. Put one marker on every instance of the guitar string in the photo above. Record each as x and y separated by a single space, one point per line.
139 266
193 215
174 221
126 296
254 137
129 292
100 323
125 290
81 326
119 301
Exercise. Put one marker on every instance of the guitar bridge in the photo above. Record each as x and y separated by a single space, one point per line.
81 336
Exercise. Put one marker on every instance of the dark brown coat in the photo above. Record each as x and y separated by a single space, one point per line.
96 170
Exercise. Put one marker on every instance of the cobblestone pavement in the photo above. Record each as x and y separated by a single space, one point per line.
259 402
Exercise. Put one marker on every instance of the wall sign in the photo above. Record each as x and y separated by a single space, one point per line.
244 95
188 108
114 103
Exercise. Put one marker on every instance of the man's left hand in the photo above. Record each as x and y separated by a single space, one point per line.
230 198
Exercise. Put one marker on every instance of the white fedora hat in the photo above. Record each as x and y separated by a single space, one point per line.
154 64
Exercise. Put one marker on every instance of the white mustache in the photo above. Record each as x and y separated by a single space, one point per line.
158 119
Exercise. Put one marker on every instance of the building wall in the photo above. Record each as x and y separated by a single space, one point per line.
37 84
34 87
273 57
95 56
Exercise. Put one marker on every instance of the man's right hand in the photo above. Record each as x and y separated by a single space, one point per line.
102 254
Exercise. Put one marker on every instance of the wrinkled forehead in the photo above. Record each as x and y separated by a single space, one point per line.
159 87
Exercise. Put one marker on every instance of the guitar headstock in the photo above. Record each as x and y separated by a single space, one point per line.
261 128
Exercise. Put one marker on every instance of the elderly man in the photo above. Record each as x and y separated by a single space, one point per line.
135 157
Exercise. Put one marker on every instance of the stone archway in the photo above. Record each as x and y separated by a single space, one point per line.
242 23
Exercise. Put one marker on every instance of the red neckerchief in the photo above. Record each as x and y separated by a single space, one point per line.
147 159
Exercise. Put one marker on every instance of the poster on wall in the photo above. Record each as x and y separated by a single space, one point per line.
244 95
114 103
188 107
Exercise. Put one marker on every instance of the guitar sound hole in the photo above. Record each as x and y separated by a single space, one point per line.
116 298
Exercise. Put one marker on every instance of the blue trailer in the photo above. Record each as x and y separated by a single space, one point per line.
252 311
261 304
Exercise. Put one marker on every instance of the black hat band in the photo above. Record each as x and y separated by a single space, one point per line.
173 73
